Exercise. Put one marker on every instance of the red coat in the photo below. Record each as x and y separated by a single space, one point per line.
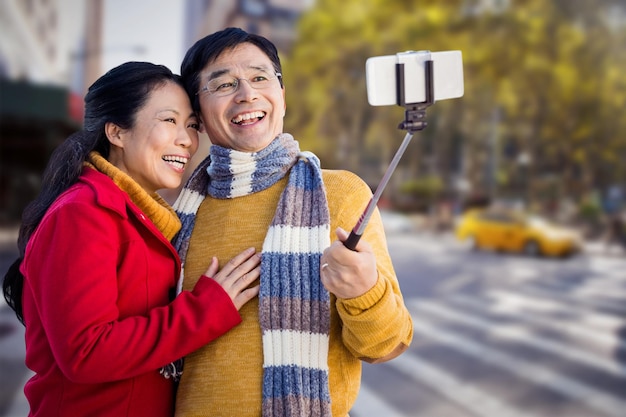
99 324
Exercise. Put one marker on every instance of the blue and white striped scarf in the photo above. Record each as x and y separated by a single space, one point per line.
294 306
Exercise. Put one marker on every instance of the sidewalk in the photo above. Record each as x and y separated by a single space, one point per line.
13 372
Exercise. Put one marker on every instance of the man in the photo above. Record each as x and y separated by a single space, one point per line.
322 308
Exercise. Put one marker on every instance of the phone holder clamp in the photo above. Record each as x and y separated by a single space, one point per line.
415 113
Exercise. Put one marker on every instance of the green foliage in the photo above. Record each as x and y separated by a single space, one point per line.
552 73
427 188
590 209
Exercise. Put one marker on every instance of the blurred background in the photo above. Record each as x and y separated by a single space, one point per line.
539 134
541 125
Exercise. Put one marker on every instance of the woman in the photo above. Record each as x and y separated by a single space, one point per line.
96 268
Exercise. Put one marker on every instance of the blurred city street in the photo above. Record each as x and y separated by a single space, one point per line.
539 130
495 334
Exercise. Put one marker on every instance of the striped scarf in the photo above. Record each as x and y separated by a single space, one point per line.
294 307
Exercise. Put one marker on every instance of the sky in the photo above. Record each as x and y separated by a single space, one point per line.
154 26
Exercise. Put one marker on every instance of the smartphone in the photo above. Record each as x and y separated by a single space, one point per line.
380 74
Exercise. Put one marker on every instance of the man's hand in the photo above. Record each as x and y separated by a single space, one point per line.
347 273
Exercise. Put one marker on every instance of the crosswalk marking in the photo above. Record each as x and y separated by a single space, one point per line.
576 299
598 289
591 397
519 333
609 342
610 269
551 304
479 402
369 404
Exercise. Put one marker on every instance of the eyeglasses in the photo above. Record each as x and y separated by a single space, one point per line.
226 85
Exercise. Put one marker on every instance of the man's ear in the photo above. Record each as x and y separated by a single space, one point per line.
114 134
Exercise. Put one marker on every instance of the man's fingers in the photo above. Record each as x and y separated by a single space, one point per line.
342 234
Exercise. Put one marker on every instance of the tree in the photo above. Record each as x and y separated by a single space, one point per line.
551 71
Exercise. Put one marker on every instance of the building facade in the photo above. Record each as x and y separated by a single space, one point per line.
52 50
37 108
274 19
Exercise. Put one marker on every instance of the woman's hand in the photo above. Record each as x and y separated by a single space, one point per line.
237 275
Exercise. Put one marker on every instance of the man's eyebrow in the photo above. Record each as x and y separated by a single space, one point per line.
261 68
220 72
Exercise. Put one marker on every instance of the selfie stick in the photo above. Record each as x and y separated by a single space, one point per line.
414 120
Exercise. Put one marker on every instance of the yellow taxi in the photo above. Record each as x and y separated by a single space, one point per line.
512 231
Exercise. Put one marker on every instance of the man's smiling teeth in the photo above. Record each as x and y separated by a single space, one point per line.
245 117
177 161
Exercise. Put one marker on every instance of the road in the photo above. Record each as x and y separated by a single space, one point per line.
13 372
495 335
503 335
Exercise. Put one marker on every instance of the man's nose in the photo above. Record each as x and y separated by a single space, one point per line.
245 91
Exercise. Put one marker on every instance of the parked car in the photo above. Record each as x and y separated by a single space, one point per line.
512 231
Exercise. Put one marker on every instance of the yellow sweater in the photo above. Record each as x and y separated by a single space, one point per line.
225 377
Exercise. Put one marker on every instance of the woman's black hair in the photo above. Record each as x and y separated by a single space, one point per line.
115 97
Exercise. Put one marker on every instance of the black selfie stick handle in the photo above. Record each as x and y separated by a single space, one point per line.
414 120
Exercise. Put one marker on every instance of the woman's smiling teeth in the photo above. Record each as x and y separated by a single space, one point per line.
248 117
176 161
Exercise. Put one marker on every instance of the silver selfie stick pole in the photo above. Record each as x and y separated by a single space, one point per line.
414 120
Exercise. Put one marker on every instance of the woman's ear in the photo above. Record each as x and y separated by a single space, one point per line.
114 134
